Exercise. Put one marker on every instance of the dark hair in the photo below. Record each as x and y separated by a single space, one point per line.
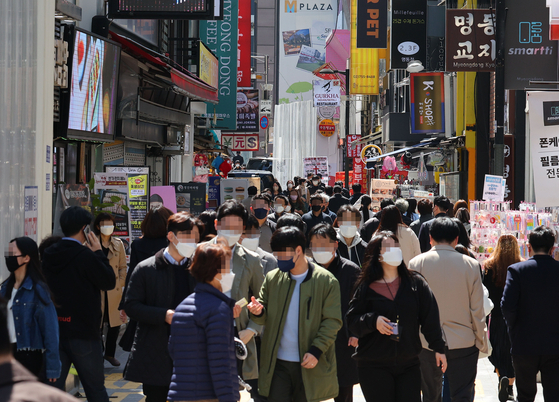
291 220
425 206
209 260
262 197
412 205
386 202
155 198
458 205
365 202
234 208
184 222
389 220
252 191
73 219
347 208
28 248
463 237
444 230
5 342
282 197
329 190
316 196
103 216
46 243
299 204
154 225
541 239
208 219
464 250
288 237
337 189
442 202
323 230
372 268
356 188
252 222
279 186
462 215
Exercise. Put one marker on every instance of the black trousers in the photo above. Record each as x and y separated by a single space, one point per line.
110 341
391 384
345 394
32 360
287 383
155 393
527 366
461 373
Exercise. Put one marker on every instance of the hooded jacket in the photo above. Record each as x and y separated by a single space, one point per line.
75 276
355 252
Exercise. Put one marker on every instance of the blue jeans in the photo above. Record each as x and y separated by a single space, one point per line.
87 357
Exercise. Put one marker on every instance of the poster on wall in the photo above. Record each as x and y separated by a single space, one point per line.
234 189
303 30
30 212
316 165
190 197
107 186
163 196
247 110
544 146
138 192
364 62
380 189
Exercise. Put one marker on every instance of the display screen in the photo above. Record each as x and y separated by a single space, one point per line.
93 87
166 9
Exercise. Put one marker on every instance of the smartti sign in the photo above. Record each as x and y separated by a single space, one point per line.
530 55
301 6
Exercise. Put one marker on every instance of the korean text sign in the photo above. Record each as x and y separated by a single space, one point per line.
427 103
470 40
408 38
494 188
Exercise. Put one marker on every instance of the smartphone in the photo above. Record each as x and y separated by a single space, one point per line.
86 232
395 331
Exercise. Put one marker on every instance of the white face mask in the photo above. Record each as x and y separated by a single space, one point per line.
289 186
107 230
288 208
279 209
348 231
226 282
186 249
322 257
231 236
251 243
392 256
315 182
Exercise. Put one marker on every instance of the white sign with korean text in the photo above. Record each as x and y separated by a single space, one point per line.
494 188
316 165
30 216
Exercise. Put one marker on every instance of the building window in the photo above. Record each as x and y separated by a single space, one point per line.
145 29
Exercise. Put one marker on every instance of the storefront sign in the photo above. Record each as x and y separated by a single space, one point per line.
240 142
30 214
427 103
408 37
359 172
435 53
221 37
370 151
208 66
327 128
353 151
326 93
364 63
247 110
316 165
326 112
494 188
191 197
243 72
544 145
372 20
470 40
138 190
529 54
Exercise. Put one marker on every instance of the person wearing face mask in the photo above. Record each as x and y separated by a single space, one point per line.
276 189
32 320
325 203
297 203
112 247
350 245
76 274
157 286
391 220
315 215
324 247
281 207
260 208
288 187
315 185
250 240
202 332
390 306
246 265
299 304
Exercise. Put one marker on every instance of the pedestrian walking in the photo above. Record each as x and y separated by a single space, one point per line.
201 343
390 306
325 204
260 208
391 221
529 308
32 319
337 200
316 216
298 203
324 246
251 239
441 206
350 244
281 207
425 209
299 304
371 226
365 209
112 247
356 193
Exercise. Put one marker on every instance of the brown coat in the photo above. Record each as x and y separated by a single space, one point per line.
117 259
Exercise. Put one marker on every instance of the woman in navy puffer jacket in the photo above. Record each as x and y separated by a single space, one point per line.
201 343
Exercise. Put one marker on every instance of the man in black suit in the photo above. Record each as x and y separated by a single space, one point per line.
337 200
356 193
529 306
441 205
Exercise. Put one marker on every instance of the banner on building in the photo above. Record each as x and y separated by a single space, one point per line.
208 66
529 54
326 93
353 151
408 37
372 24
222 38
316 165
544 145
191 197
248 107
359 173
243 71
30 214
427 103
363 63
240 142
470 40
303 28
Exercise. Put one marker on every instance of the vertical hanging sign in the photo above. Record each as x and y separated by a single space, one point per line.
243 67
427 103
372 20
408 38
364 63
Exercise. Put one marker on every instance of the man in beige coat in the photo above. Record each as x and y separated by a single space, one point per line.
455 280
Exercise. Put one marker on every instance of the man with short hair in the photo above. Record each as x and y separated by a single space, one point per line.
294 220
299 304
402 206
76 274
326 201
315 185
529 306
260 207
281 207
329 190
356 193
455 280
315 215
425 209
252 191
440 209
251 239
337 200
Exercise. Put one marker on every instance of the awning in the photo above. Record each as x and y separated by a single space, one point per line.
183 81
370 161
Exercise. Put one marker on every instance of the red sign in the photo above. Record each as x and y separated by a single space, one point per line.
243 46
358 171
353 151
327 127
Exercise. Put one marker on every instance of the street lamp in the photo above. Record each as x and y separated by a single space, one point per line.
346 74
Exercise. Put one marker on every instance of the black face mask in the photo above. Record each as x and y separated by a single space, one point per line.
11 262
316 208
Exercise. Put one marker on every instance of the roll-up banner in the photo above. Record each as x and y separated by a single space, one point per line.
427 103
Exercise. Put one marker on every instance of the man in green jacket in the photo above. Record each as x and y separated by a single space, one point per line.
299 305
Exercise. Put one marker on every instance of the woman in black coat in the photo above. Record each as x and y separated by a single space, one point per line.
324 245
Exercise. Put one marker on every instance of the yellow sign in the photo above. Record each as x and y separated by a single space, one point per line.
327 127
208 68
138 186
364 63
370 151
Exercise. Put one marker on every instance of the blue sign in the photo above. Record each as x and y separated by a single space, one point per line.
264 122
